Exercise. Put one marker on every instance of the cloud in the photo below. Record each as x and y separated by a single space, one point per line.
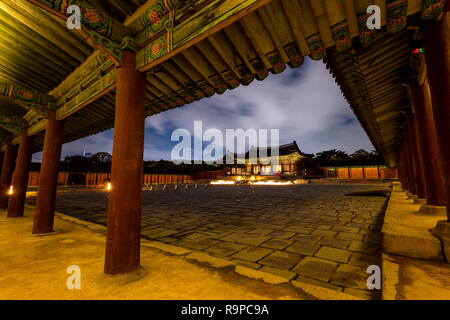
304 103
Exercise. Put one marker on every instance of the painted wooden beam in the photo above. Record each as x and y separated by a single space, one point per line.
168 40
86 93
13 124
91 18
25 94
95 63
37 127
5 136
97 28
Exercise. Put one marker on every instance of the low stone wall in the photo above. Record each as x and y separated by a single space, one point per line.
406 230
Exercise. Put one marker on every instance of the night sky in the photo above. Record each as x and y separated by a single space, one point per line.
305 104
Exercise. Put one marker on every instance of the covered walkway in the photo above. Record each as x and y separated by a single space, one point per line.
131 61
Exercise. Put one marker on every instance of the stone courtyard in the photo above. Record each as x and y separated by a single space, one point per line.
315 234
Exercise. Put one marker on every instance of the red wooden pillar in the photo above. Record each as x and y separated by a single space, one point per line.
418 163
21 173
436 40
400 167
407 168
403 167
427 138
410 162
125 201
48 177
7 172
2 157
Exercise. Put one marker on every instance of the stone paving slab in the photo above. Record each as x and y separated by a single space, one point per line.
252 254
281 260
310 234
350 277
225 248
333 254
279 244
334 243
316 268
304 248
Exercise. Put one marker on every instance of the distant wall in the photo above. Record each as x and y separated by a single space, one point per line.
100 178
379 172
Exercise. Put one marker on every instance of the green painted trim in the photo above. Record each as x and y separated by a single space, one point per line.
102 85
243 4
37 127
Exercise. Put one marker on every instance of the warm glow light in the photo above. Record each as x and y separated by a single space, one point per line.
273 183
239 178
10 190
108 187
222 182
265 183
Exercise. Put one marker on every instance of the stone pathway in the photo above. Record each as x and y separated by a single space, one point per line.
311 234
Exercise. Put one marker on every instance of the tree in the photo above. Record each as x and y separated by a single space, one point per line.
364 155
77 160
101 157
332 155
361 154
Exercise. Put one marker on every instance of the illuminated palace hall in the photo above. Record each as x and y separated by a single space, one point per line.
291 161
305 229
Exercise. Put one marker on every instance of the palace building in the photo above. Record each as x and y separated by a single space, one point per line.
291 161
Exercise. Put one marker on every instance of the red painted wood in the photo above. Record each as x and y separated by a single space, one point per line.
2 156
428 142
21 173
48 177
436 40
7 172
410 164
402 167
418 161
125 201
